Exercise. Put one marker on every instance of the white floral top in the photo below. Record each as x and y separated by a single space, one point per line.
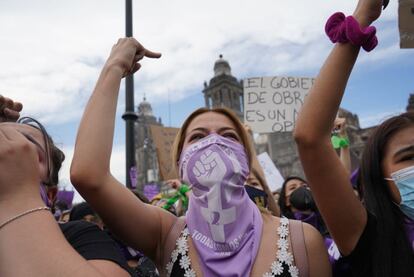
282 266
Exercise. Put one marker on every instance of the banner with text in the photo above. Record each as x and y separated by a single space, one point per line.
406 23
272 104
163 138
273 177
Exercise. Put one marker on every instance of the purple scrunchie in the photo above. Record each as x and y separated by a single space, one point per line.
343 29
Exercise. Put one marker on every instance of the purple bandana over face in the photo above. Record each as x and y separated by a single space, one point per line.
225 225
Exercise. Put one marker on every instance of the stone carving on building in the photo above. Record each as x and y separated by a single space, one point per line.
146 155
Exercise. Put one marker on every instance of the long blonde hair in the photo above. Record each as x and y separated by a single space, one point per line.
179 139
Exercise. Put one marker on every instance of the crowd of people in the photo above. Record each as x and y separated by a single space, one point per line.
223 220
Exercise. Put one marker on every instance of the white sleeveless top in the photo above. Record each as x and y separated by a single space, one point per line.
282 266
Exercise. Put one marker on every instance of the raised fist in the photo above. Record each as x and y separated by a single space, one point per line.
210 169
9 109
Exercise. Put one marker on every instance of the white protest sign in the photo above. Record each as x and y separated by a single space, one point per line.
272 104
273 177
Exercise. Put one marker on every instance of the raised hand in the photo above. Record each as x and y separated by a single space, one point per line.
174 183
126 54
18 166
9 109
340 125
367 11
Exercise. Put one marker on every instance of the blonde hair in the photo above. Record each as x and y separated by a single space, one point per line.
179 139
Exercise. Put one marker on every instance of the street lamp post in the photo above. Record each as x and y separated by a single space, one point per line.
129 116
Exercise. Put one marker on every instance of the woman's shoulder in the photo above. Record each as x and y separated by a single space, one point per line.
317 254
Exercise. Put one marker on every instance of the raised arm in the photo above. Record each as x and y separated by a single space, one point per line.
139 225
343 213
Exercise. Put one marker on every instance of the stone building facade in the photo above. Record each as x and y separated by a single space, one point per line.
225 90
146 155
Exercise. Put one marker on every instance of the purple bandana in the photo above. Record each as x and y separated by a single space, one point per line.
311 218
225 225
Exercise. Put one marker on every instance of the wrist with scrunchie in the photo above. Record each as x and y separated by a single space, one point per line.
347 29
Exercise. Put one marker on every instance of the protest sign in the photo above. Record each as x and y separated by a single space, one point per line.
163 138
406 23
273 177
271 104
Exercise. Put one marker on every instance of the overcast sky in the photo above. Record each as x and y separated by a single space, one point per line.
52 52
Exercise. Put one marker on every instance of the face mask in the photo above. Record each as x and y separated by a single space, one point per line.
259 197
302 199
224 224
404 180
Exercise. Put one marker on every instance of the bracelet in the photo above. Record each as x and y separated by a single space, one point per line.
347 29
23 214
338 142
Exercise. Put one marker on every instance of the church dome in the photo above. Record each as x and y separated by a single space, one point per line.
222 67
144 108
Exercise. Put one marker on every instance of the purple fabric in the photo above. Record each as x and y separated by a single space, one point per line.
354 178
133 176
150 190
333 251
347 29
225 225
311 218
43 194
66 196
409 228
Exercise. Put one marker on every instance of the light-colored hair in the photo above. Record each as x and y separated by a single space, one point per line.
179 139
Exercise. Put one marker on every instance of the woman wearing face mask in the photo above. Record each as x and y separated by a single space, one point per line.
300 203
377 239
296 202
259 192
31 243
256 185
223 234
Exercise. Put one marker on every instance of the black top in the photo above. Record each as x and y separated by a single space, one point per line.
92 243
360 259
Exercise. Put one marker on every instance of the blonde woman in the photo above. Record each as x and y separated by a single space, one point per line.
224 233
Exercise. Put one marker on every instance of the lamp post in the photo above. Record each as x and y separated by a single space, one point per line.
129 116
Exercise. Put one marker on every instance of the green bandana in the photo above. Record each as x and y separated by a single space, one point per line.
180 194
339 142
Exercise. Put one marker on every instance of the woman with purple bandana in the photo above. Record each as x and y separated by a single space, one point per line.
376 236
223 233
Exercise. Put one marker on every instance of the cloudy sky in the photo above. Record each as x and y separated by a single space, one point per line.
52 52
